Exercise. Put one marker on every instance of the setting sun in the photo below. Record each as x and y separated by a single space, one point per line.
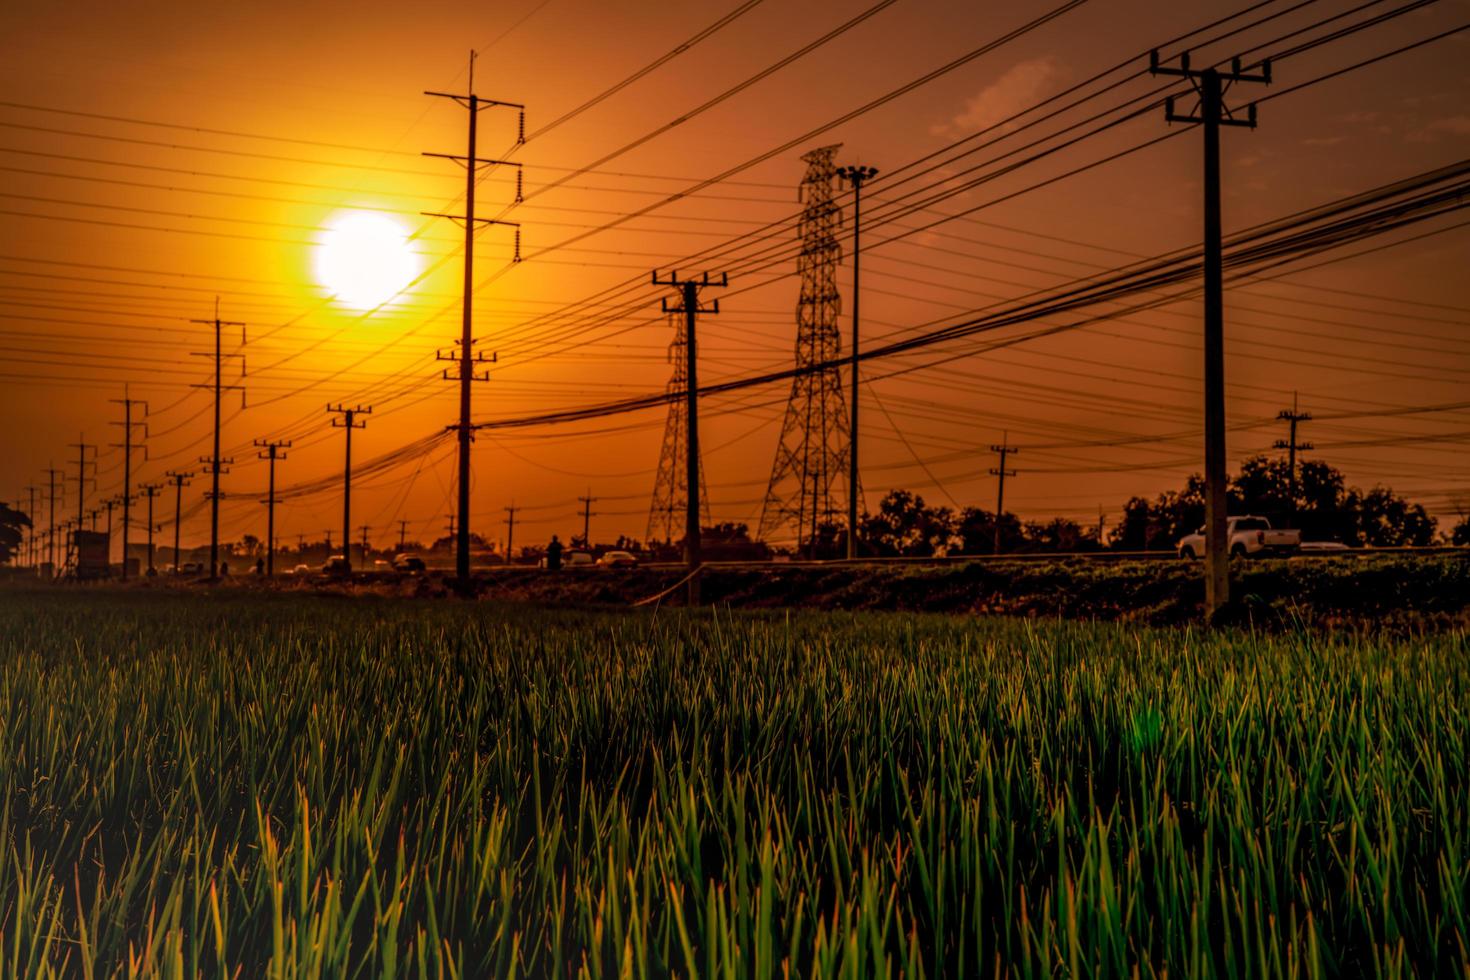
364 259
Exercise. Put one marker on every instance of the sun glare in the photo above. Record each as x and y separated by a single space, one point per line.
364 259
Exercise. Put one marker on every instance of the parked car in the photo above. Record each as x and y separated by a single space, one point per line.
1324 547
408 564
577 559
382 565
617 559
336 565
302 569
191 568
1248 535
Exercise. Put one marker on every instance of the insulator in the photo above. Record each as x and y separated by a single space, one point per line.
520 174
521 135
518 246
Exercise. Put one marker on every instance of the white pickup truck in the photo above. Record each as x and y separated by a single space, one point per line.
1248 536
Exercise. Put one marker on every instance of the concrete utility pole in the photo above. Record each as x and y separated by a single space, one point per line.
51 474
109 503
1003 450
364 528
855 176
689 306
348 422
1211 113
30 548
82 460
1292 417
402 534
181 480
272 453
587 513
126 446
214 460
466 355
150 490
510 533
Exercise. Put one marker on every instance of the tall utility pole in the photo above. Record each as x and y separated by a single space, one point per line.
466 356
587 513
126 446
109 503
30 549
150 490
689 306
1211 113
181 480
213 459
272 453
1292 417
348 422
1004 450
402 534
82 447
855 176
51 474
451 527
510 533
365 528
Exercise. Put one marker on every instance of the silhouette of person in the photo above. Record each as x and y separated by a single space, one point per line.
553 554
260 566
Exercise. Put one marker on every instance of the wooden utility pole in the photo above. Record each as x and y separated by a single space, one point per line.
1292 417
51 474
348 422
150 490
466 356
510 533
587 513
1211 113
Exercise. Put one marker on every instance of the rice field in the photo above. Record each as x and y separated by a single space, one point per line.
276 786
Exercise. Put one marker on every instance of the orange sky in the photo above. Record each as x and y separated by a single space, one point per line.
117 233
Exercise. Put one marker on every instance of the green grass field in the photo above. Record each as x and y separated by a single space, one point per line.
277 786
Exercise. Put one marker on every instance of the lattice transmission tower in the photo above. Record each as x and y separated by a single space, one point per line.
666 512
811 457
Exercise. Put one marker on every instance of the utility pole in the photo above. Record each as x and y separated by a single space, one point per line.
510 533
1292 417
364 529
181 480
51 474
587 512
451 528
348 422
1212 113
150 490
689 306
1003 450
126 446
213 459
466 356
30 549
402 534
109 503
272 453
855 176
81 447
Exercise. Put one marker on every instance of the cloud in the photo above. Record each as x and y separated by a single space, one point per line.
1018 88
1456 125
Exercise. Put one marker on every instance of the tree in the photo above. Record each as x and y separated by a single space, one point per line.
906 526
1060 535
1461 534
1386 520
975 532
11 535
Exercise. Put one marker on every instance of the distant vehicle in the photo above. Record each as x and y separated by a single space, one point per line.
302 569
1323 547
382 565
617 559
336 565
408 564
577 559
1249 537
191 568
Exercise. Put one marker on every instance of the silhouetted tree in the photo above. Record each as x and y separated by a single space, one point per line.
11 535
1387 520
906 526
1461 533
975 532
